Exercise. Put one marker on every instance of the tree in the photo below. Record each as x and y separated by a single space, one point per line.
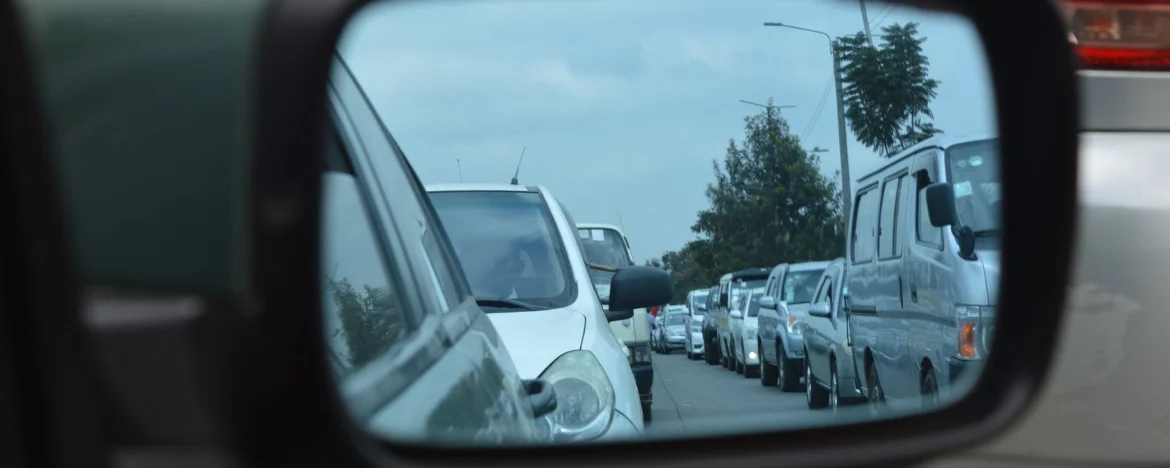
769 203
887 89
370 319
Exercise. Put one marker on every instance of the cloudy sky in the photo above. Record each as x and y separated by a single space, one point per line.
623 104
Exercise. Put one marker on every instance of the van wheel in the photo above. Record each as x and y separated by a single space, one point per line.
876 395
816 395
709 352
788 371
768 375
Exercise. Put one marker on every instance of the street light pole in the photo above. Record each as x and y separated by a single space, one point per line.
846 192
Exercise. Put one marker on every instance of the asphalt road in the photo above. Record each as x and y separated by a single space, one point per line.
691 396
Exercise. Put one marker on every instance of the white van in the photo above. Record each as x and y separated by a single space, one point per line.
517 246
923 268
605 244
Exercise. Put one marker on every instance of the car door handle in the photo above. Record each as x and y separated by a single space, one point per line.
913 293
542 396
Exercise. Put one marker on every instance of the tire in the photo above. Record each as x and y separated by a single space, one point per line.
788 371
834 390
768 375
665 349
646 414
709 353
816 395
875 394
690 355
930 389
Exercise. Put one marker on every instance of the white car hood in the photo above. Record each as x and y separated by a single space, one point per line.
535 339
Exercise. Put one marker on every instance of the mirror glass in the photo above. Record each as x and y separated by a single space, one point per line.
480 154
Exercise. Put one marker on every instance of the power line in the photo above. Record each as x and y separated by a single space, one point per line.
812 123
878 23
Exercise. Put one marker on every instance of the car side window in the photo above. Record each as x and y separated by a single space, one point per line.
393 181
927 234
364 316
864 225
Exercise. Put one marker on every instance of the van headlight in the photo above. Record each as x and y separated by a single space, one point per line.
585 397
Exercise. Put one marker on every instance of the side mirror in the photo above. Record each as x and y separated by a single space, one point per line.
940 204
820 309
636 287
767 302
735 313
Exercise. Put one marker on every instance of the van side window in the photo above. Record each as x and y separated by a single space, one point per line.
927 234
886 240
864 225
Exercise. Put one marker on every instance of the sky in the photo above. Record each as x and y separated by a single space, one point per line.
620 106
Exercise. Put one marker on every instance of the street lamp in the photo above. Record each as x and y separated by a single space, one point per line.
846 193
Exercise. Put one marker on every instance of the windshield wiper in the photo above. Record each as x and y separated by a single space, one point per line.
504 303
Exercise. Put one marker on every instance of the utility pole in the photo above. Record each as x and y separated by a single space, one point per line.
846 193
865 20
842 139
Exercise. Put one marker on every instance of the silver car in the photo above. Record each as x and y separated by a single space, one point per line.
829 374
781 345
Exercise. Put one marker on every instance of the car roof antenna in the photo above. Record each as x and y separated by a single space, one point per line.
515 181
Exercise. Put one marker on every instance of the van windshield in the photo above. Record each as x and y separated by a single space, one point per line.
603 247
741 290
973 170
700 303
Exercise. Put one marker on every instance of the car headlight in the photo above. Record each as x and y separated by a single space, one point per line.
585 397
793 325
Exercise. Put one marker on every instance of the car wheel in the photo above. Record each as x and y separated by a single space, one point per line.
646 413
709 352
666 349
834 391
768 375
876 395
816 395
788 371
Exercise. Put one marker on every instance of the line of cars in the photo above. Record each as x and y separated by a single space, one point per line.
467 312
902 318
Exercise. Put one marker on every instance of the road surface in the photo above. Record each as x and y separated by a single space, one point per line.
691 396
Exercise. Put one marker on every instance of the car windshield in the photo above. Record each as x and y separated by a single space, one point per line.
603 247
675 319
700 303
973 169
753 309
740 290
799 286
507 244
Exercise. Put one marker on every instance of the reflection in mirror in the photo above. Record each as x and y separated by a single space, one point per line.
763 158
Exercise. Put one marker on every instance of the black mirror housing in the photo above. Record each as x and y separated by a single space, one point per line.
616 315
940 204
636 287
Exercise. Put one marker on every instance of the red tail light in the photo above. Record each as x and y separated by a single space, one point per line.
1120 35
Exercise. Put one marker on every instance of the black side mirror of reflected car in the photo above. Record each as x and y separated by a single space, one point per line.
636 287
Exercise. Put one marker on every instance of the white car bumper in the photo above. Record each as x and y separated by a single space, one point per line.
620 429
